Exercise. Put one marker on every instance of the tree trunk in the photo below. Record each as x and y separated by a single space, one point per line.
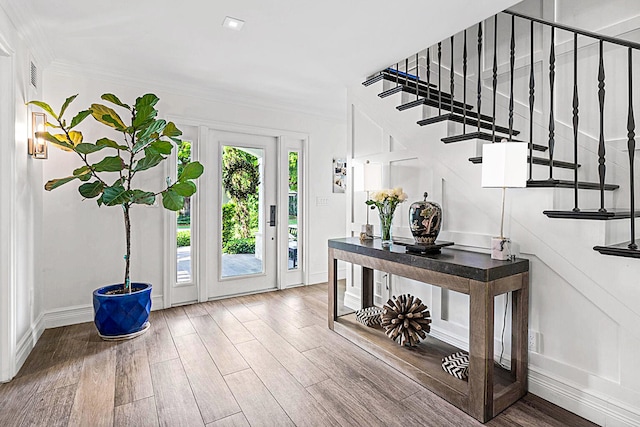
127 257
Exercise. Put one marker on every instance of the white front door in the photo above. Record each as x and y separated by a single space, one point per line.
242 252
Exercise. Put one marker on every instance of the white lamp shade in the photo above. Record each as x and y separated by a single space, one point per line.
372 174
504 164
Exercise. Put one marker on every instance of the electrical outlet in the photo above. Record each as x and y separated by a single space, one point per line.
533 339
322 201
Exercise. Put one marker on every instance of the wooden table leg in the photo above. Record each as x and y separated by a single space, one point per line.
481 350
520 333
366 288
333 289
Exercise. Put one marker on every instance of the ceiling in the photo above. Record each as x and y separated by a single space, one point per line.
290 53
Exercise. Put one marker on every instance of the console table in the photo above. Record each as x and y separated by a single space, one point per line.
490 388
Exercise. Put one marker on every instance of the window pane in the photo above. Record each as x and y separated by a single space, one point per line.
293 210
183 221
242 219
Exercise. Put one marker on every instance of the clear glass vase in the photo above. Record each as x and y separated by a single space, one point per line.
386 218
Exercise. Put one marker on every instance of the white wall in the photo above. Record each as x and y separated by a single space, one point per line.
20 207
84 244
581 302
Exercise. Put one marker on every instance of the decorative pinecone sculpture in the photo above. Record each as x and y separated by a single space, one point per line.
406 320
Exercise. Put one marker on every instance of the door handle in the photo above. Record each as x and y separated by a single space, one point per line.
272 215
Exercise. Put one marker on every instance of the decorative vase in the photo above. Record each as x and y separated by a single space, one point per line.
386 218
122 316
425 219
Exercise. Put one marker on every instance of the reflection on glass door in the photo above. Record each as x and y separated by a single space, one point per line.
183 223
243 221
292 263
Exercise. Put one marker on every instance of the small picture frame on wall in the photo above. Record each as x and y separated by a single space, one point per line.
339 175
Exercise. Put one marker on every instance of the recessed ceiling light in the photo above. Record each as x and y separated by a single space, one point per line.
233 23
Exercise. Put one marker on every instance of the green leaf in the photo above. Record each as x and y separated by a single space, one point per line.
114 100
115 195
81 171
109 164
59 140
86 148
143 197
45 107
52 125
191 171
91 189
107 116
185 189
144 116
66 104
75 137
55 183
148 100
172 200
79 118
160 147
148 162
171 130
110 143
144 137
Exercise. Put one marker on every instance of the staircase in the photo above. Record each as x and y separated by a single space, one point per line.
421 77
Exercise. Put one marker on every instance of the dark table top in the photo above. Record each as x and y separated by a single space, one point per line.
457 262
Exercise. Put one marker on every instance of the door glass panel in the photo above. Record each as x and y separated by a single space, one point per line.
243 217
183 222
294 204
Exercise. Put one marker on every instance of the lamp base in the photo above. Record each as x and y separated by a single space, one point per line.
500 248
366 232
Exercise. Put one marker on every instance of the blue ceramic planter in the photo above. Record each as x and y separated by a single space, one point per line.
122 316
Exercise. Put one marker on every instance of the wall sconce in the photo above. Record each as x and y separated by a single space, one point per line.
37 144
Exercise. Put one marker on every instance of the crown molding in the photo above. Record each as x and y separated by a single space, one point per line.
214 93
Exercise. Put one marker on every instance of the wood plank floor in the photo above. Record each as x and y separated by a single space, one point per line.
259 360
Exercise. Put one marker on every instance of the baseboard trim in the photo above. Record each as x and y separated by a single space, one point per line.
83 313
598 409
28 341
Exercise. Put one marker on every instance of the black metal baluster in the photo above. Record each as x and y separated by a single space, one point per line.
464 84
417 78
397 74
532 97
631 145
602 169
479 71
428 74
451 85
512 63
575 122
406 72
439 78
552 122
495 76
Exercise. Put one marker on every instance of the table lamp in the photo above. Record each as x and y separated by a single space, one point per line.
372 181
504 165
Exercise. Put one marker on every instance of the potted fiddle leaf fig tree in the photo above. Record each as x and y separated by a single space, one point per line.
143 142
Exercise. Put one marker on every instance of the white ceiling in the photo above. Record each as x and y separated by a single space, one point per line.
294 53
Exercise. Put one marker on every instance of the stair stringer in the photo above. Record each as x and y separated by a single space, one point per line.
563 248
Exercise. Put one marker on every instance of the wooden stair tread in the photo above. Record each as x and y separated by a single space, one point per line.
472 116
621 249
460 119
536 161
560 183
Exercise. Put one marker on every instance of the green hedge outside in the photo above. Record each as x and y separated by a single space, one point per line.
183 238
240 246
